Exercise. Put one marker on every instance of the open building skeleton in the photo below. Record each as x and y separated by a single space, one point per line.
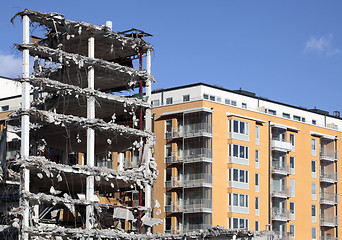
77 106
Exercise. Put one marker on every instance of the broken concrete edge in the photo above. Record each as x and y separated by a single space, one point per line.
137 176
62 57
56 20
221 232
49 117
55 86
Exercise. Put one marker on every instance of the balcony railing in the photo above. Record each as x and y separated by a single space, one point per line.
198 154
196 227
197 205
328 220
328 155
173 158
175 133
328 238
280 214
280 145
198 180
328 198
131 163
174 183
330 177
198 129
280 168
281 193
174 207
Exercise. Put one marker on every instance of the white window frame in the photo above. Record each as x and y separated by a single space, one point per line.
313 171
239 133
257 180
313 213
257 206
237 159
292 188
186 98
292 214
169 100
239 203
293 230
257 159
238 184
293 142
245 223
313 147
257 135
257 226
314 233
293 169
313 191
155 103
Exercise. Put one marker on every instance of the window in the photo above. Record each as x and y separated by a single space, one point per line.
303 119
155 103
169 100
314 122
256 158
296 118
240 151
212 98
314 233
313 191
244 105
233 103
240 200
257 179
227 101
292 165
257 135
256 225
286 115
168 224
206 96
292 188
313 147
272 112
240 175
4 108
240 127
313 210
186 98
256 203
218 99
240 223
313 169
292 230
292 141
292 208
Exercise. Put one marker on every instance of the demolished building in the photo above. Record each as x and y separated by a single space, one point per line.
76 121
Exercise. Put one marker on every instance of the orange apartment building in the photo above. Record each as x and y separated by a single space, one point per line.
233 159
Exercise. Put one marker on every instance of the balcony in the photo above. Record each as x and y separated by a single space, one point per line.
175 133
174 183
198 130
175 231
328 198
278 144
198 180
196 227
328 177
198 155
279 168
131 163
173 158
328 238
279 214
280 193
328 220
328 155
175 207
198 205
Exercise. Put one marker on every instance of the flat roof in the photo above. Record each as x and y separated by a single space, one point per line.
247 94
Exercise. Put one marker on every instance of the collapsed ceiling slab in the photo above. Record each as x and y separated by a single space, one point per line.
74 69
73 32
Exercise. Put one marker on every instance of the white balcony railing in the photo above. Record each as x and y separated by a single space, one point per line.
328 220
197 205
281 145
281 192
328 198
198 180
328 155
280 168
279 214
330 177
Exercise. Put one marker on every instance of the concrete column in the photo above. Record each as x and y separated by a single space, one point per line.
90 138
121 160
25 126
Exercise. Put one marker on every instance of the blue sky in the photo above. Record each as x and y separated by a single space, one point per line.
288 51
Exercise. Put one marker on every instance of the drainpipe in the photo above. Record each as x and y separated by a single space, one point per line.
336 187
269 176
